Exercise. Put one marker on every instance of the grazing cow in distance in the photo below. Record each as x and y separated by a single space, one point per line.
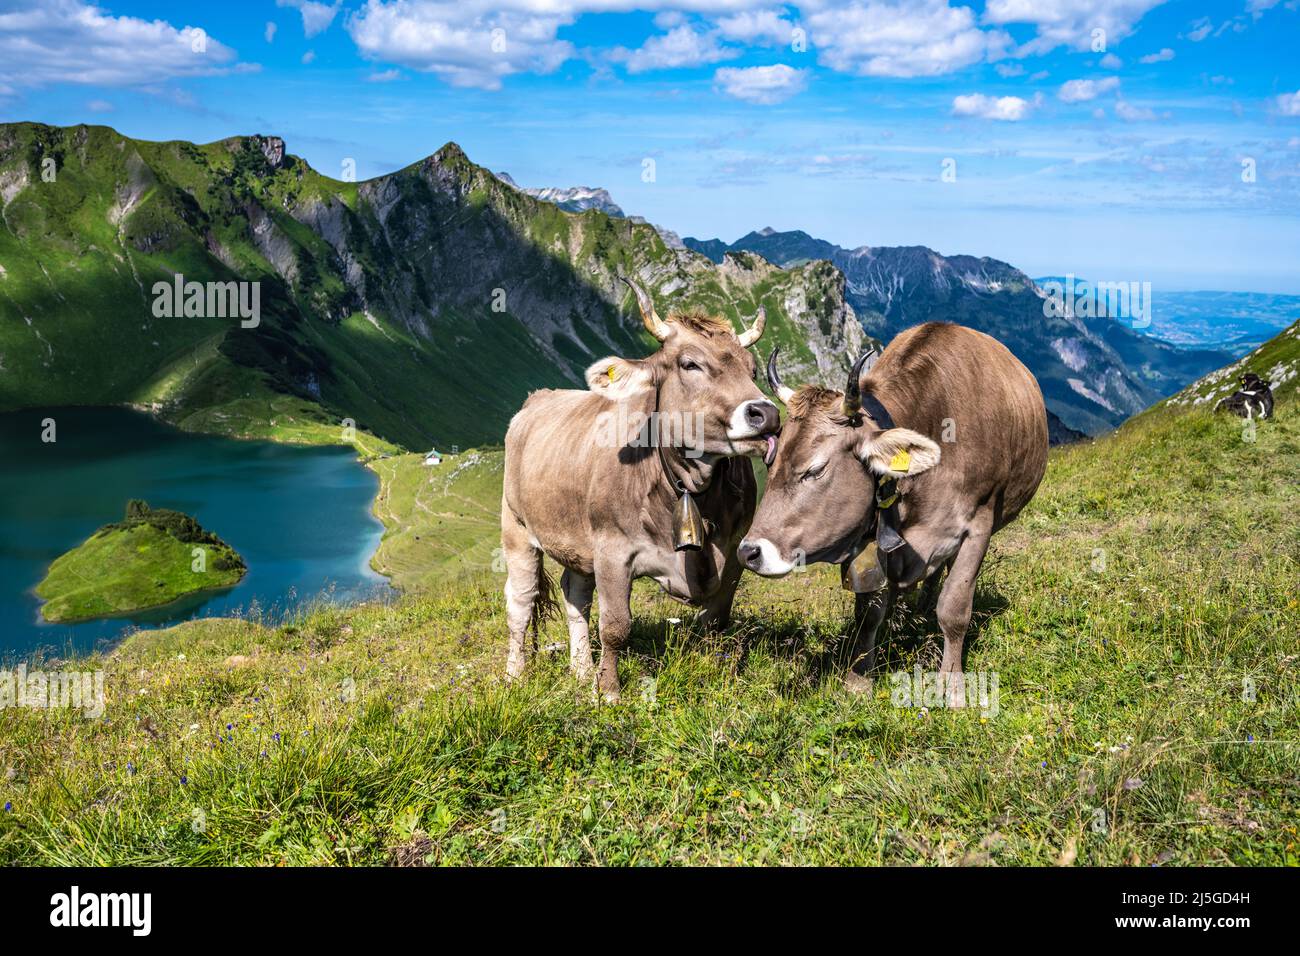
1255 397
642 475
860 480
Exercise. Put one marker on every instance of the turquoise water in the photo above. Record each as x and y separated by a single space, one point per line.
299 515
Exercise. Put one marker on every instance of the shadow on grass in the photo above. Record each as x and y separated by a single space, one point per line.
820 644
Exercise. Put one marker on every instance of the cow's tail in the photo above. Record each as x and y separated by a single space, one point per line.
544 606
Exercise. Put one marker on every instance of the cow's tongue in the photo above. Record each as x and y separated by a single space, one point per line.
769 456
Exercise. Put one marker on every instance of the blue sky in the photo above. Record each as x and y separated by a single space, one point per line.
1165 148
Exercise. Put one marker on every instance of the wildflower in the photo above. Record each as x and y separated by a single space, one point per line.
9 807
276 738
184 780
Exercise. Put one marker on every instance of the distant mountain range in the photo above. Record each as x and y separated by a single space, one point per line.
423 305
573 198
1094 372
1235 322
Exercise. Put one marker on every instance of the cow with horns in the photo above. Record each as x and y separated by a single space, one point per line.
859 479
644 474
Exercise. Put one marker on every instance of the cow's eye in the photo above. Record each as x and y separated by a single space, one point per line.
689 365
814 471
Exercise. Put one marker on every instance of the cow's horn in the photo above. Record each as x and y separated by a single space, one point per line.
755 332
783 391
654 325
853 388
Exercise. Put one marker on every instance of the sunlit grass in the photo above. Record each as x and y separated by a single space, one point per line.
1142 618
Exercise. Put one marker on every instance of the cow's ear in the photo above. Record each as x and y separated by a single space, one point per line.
617 378
898 452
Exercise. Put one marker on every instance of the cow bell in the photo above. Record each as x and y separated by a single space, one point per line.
688 526
863 573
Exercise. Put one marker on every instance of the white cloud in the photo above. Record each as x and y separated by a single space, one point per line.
1162 56
1200 30
1132 114
464 43
1111 62
1080 91
1069 23
316 17
270 31
99 106
1289 103
1005 108
766 27
669 19
892 38
65 41
387 76
308 57
680 47
761 84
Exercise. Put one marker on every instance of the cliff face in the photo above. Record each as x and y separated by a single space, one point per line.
423 305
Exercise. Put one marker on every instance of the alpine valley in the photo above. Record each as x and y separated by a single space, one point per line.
425 304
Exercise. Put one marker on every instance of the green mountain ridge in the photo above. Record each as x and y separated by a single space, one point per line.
420 306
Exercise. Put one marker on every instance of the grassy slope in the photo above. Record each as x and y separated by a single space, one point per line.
1151 583
441 522
127 569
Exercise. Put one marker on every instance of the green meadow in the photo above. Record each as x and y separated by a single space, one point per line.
1141 618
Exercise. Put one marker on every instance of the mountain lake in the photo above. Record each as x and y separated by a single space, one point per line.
299 515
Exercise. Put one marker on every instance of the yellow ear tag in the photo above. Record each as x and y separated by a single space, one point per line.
902 461
613 372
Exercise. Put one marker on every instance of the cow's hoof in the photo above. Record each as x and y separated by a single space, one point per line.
514 670
855 683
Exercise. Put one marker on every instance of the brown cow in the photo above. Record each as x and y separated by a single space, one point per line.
596 479
838 453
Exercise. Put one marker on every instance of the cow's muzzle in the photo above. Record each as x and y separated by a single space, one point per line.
755 422
762 557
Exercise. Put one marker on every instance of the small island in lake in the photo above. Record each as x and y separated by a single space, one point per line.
150 558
